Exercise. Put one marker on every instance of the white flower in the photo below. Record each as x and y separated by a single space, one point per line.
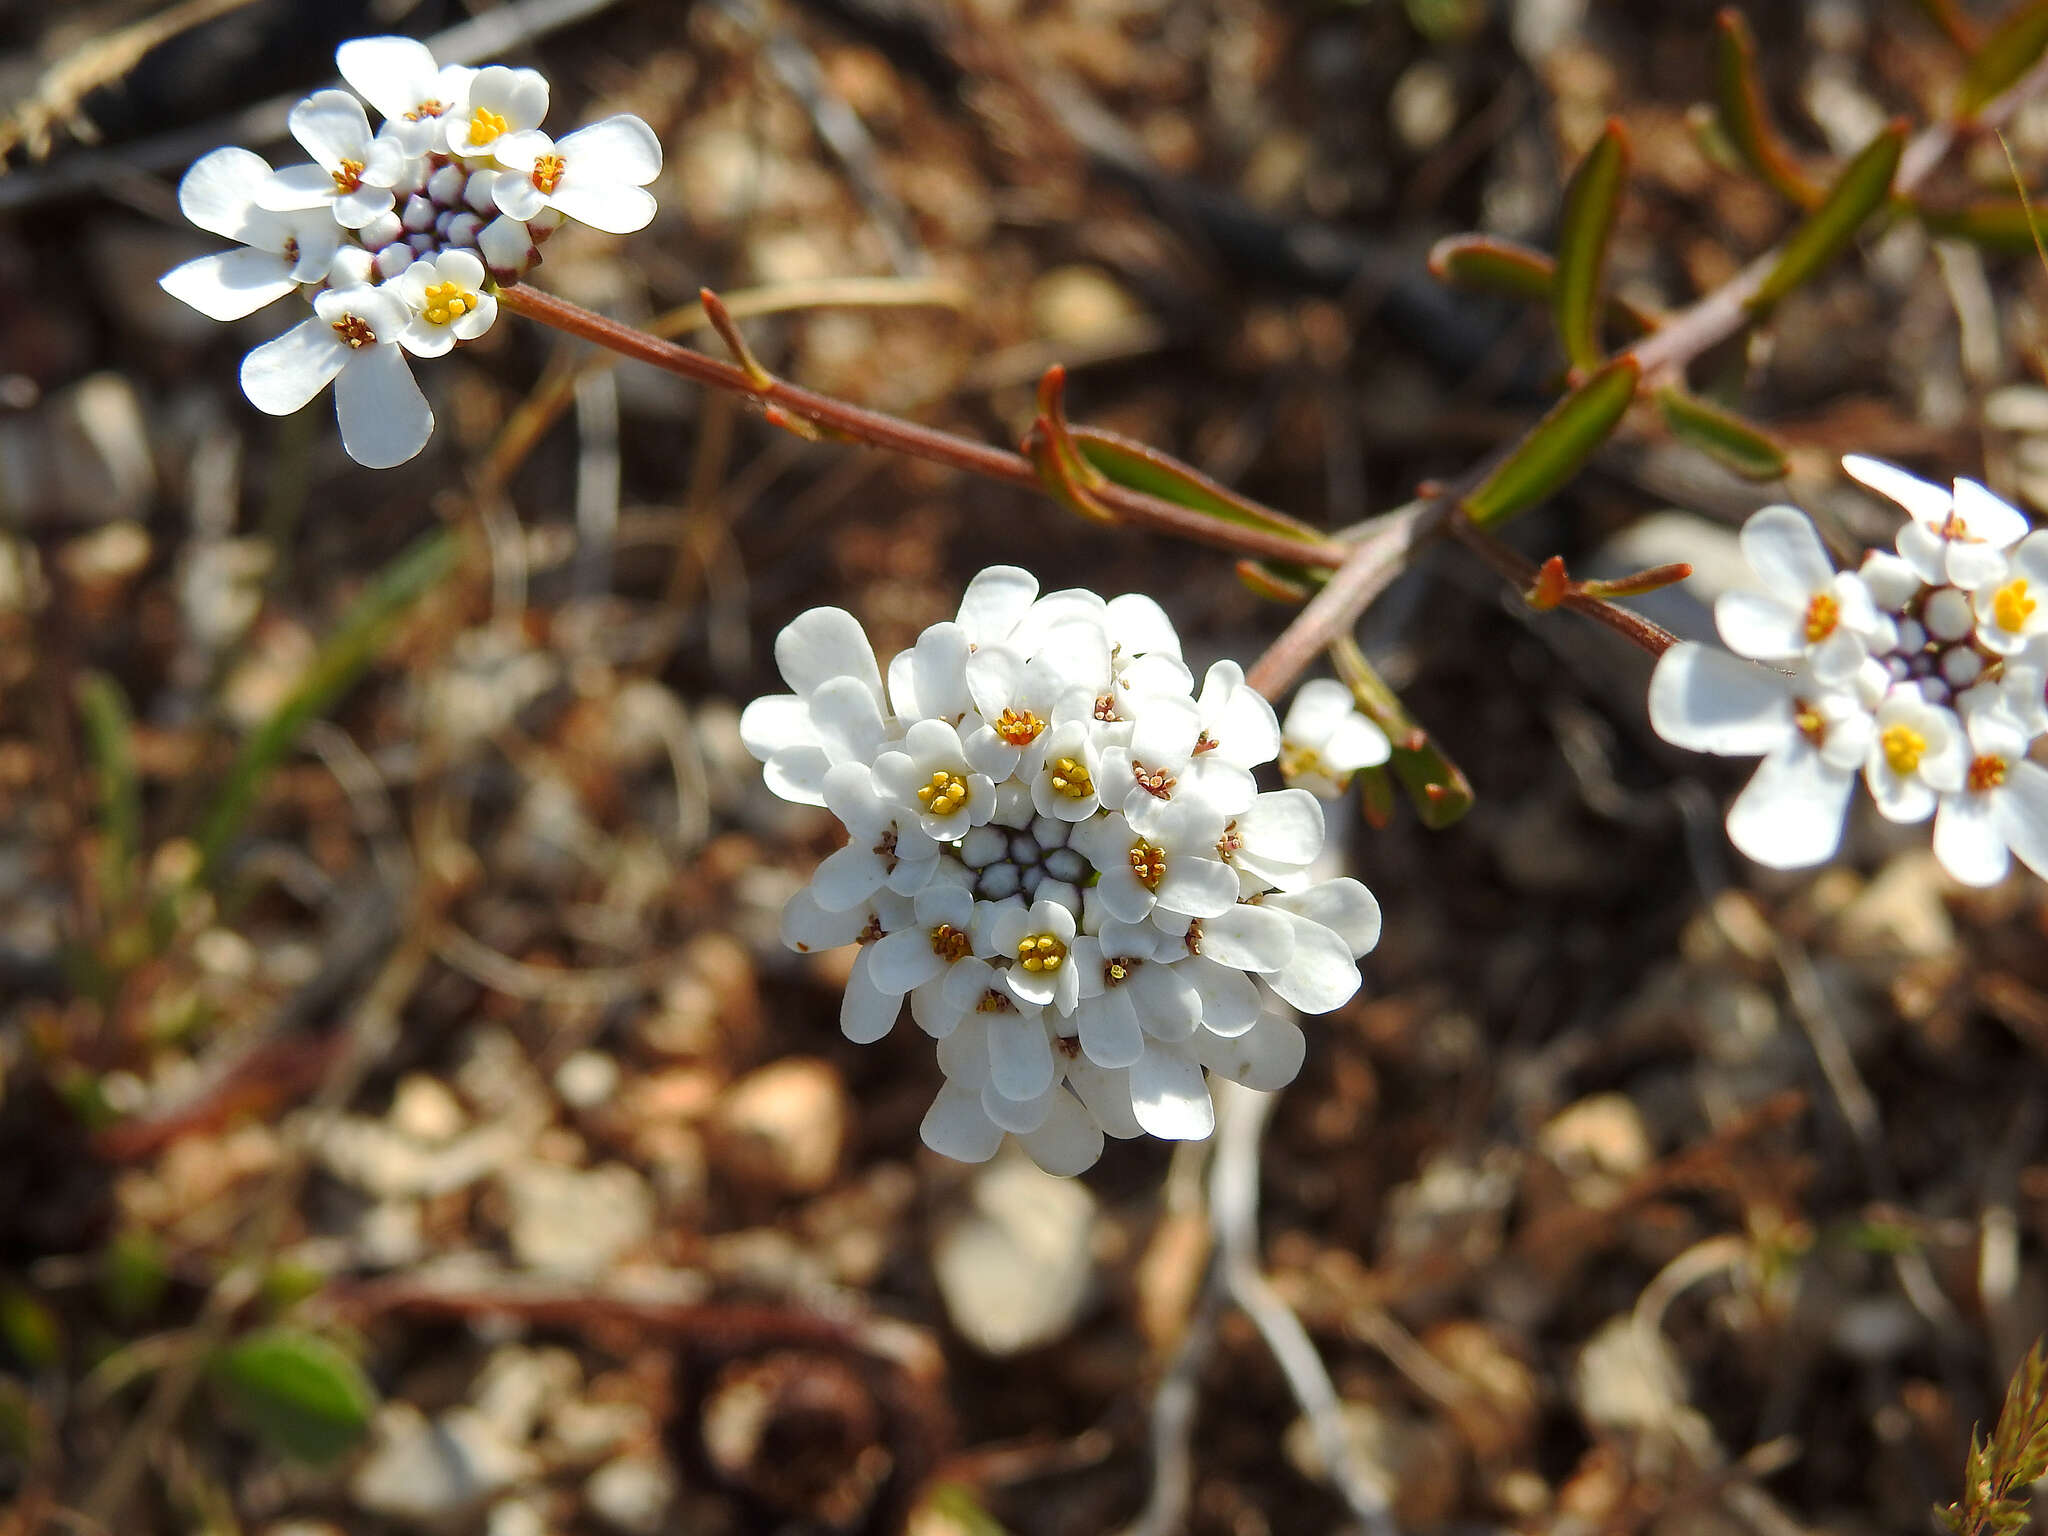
1325 740
1811 741
935 779
352 341
930 679
820 647
1808 608
1955 537
1272 844
1040 939
2009 608
501 101
283 249
1167 762
1920 751
1176 867
354 170
2001 809
885 846
596 176
398 76
448 300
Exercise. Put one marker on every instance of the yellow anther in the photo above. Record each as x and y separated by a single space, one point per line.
950 944
354 331
1810 722
1229 843
1071 779
1118 971
428 108
485 125
1156 782
993 1001
1823 614
447 302
1041 952
1987 773
348 176
944 795
547 171
1903 748
1019 727
2011 606
1148 863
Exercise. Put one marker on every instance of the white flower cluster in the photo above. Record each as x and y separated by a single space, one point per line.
1058 854
1923 671
395 236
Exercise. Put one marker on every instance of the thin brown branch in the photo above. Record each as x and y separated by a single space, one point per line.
1520 573
876 429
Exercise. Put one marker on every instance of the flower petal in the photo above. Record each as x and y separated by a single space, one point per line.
1068 1142
823 643
385 419
331 127
1790 814
1927 502
1266 1057
1967 840
393 74
867 1012
2022 815
229 284
1786 553
1170 1097
1322 975
1020 1062
282 375
219 193
1248 938
1109 1032
1705 700
623 145
1759 625
605 205
957 1127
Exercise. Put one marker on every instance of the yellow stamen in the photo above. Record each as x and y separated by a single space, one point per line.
354 330
428 108
448 302
1071 779
1987 773
1019 728
1903 748
1148 863
1810 722
1822 615
2011 606
944 795
485 125
950 944
1117 972
1041 952
348 177
547 172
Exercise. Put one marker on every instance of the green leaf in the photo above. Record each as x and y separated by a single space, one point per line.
1557 446
110 743
1439 791
133 1275
1744 120
1999 224
1749 451
1279 583
343 659
2009 52
1858 192
1140 467
1485 264
295 1392
1584 230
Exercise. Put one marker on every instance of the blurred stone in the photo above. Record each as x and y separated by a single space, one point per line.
632 1494
576 1224
1875 1329
586 1079
1077 304
82 456
1901 915
426 1472
1014 1266
516 1517
1423 106
584 1432
783 1127
1627 1379
101 563
1599 1144
759 1411
518 1385
1413 1462
376 1159
1497 1412
390 1235
424 1109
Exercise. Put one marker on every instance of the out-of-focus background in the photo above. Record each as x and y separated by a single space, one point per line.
448 1053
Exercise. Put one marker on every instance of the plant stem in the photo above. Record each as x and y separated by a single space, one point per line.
875 429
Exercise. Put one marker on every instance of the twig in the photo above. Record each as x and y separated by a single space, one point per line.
1520 574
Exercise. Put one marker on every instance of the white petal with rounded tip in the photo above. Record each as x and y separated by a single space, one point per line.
1266 1057
774 723
1971 566
331 127
848 876
808 928
393 74
1928 503
957 1127
848 721
1284 825
517 197
1790 813
797 774
2022 814
1250 938
282 375
1342 905
1759 625
1020 1064
1069 1142
1170 1097
1168 1002
1229 999
1783 549
904 959
867 1012
1018 1115
1967 840
1109 1030
624 146
296 187
1988 517
1836 660
1319 706
823 643
219 193
1707 701
1106 1091
605 205
385 419
994 601
1322 975
1355 743
1140 627
229 284
1197 887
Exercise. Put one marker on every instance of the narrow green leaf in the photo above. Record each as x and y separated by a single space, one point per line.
110 743
1485 264
1437 788
1278 583
344 658
2005 224
1858 192
2009 52
1140 467
296 1392
1728 439
1744 119
1557 446
1585 228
